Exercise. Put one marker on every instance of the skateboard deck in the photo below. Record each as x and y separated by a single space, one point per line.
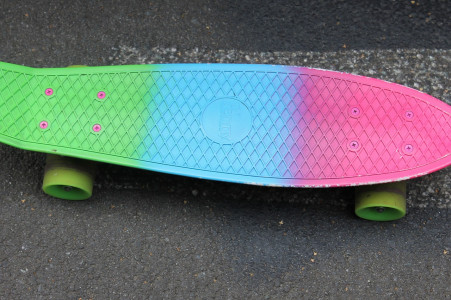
254 124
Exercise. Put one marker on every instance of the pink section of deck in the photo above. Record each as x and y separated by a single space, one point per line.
359 130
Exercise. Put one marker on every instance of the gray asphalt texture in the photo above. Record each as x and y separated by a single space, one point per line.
150 235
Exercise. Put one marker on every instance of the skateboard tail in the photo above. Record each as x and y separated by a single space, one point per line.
267 125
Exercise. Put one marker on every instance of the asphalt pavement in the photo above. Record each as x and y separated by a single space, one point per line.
145 235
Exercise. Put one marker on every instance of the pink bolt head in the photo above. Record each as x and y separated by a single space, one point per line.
43 125
49 92
354 146
408 148
355 112
96 128
101 95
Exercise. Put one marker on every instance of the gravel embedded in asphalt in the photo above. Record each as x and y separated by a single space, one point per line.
150 235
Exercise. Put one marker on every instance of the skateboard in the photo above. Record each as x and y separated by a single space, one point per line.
254 124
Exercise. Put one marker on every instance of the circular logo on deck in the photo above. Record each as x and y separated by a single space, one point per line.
226 121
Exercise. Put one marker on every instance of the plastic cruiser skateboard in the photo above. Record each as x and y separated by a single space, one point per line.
255 124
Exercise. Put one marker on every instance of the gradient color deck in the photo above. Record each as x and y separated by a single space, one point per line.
258 124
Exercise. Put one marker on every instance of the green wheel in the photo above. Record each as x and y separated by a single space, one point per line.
384 202
68 178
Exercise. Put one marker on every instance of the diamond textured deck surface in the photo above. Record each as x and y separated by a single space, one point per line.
305 127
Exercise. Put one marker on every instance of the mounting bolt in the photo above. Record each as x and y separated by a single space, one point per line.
96 128
355 112
49 92
408 148
44 125
354 146
409 115
101 95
